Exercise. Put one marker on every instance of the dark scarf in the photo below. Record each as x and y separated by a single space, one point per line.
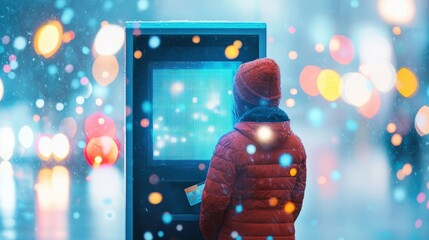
264 114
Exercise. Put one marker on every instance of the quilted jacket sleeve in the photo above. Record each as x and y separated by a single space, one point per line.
299 188
217 191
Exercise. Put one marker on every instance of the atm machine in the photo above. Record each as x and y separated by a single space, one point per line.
179 100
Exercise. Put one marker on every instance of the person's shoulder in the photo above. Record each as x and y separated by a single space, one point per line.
228 139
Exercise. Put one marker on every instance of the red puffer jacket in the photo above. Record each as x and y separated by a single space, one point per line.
256 181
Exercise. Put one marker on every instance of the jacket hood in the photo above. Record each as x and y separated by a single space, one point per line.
267 126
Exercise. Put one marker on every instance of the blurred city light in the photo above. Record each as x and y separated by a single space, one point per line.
397 11
26 136
341 49
7 143
48 39
109 39
329 84
357 90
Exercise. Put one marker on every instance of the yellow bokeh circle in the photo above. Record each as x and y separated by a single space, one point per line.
406 82
329 84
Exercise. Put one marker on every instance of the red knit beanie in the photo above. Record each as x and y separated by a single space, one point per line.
258 82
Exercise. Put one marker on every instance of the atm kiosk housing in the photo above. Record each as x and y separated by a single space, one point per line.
179 99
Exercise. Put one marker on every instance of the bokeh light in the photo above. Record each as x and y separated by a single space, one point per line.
154 42
109 39
273 201
400 175
319 47
396 30
19 43
321 28
105 188
239 208
374 47
285 160
406 83
154 179
60 147
98 125
399 194
372 107
293 55
60 183
421 121
293 172
341 49
1 89
44 147
201 166
354 3
382 74
196 39
146 107
43 188
7 143
53 188
329 84
321 180
397 11
6 169
407 169
290 102
155 198
391 127
48 39
144 122
289 207
335 175
418 223
105 69
234 235
265 134
148 236
421 197
68 126
177 88
101 151
231 52
67 16
68 36
142 5
238 44
251 149
316 117
396 139
166 217
26 136
357 90
352 125
308 79
138 54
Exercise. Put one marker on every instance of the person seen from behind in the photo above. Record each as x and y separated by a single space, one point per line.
255 184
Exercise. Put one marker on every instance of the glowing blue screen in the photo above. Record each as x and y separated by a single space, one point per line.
192 108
